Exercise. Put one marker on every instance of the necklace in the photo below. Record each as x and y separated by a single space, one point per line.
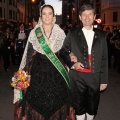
47 34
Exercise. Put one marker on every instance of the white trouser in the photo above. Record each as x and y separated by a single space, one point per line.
82 117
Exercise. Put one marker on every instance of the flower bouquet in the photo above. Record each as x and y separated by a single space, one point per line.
21 80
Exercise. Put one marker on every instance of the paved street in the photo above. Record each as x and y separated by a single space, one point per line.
109 108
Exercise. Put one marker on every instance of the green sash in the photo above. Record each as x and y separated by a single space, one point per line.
51 56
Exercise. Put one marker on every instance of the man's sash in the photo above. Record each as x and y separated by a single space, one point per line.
51 56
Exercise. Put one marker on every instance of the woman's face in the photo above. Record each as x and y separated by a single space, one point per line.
47 15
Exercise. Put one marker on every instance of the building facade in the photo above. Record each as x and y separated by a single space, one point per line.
70 10
16 11
97 4
8 11
21 10
58 19
65 15
110 13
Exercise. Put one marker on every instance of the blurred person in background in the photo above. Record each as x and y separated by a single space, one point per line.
20 42
114 50
35 20
7 47
110 46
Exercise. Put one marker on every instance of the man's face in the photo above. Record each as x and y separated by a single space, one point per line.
87 17
21 27
8 30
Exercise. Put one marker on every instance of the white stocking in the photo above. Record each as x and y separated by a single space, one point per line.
80 117
89 117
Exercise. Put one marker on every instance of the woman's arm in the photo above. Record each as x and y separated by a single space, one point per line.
24 63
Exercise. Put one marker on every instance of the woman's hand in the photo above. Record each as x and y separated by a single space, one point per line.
77 65
73 58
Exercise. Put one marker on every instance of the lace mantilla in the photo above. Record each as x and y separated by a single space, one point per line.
55 41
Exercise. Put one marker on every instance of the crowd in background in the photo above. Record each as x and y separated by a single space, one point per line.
113 42
13 40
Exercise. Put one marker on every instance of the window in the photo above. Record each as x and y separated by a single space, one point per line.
21 16
10 2
115 16
10 14
14 3
4 12
14 15
97 0
97 10
0 12
104 19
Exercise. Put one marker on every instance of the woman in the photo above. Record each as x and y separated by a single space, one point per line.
47 98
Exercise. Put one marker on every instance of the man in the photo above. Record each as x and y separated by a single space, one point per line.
113 39
20 41
30 27
110 46
85 53
7 47
117 49
35 20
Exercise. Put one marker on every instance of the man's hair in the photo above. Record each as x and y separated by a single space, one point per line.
21 23
86 7
36 18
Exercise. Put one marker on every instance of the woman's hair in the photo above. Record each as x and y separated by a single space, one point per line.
49 7
86 7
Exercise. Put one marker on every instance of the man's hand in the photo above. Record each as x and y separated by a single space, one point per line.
78 65
103 87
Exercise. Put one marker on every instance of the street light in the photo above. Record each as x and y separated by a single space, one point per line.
41 2
33 0
98 21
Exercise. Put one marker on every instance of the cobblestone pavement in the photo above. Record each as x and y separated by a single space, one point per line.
109 108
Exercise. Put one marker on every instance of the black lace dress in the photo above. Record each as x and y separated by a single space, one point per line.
48 96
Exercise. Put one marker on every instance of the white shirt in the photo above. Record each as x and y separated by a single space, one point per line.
89 34
22 31
21 35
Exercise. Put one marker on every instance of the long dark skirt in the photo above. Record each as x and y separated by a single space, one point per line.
65 113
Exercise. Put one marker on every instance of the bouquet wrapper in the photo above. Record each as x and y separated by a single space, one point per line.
21 95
